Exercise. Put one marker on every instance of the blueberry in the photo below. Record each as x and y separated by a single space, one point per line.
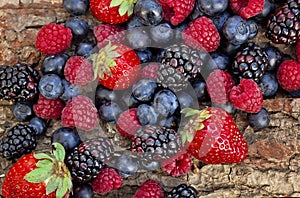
220 61
235 30
275 57
39 125
82 191
70 91
178 30
269 7
76 7
200 90
212 7
109 112
22 111
228 48
228 107
253 28
295 94
51 86
146 114
145 55
129 101
85 49
196 12
185 100
133 22
149 165
78 27
138 38
268 84
162 33
126 165
165 102
171 122
68 137
219 20
104 95
144 89
159 55
259 120
148 12
55 64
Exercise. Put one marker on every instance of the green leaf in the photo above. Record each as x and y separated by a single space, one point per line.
39 175
42 156
115 3
183 138
123 9
43 163
190 137
130 9
52 184
66 185
59 151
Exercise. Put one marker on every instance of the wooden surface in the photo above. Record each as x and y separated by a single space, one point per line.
271 167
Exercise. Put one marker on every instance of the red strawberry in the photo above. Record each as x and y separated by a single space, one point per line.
202 34
108 179
247 8
176 11
219 84
108 32
117 66
53 39
78 71
48 108
288 75
80 112
247 96
177 166
127 123
213 137
150 71
112 11
149 189
39 176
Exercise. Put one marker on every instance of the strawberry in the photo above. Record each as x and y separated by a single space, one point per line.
39 175
117 66
112 11
213 137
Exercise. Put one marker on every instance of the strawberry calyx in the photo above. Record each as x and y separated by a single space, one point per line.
103 61
195 123
125 6
52 170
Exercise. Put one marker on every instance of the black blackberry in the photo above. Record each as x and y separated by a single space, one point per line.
251 62
155 143
20 140
18 82
182 191
284 25
180 64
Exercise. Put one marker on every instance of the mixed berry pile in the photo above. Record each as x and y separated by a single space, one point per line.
166 75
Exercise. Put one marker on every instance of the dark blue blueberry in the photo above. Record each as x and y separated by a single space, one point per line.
295 94
259 120
268 84
235 30
109 112
162 33
146 114
196 13
68 137
149 165
126 165
185 100
76 7
212 7
82 191
51 86
129 101
104 95
133 22
159 55
253 28
171 122
220 61
165 102
78 27
22 111
144 89
228 48
138 38
70 91
275 57
228 107
220 19
55 64
269 7
149 12
200 90
39 125
178 30
145 55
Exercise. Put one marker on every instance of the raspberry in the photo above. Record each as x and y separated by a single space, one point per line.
150 71
80 112
53 39
219 84
48 108
78 70
247 96
288 75
149 189
107 180
247 8
180 165
176 11
127 123
202 34
108 32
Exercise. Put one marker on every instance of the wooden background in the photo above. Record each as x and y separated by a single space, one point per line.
271 167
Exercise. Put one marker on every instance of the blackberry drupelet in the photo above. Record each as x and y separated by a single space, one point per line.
182 191
250 62
18 82
20 139
180 64
284 25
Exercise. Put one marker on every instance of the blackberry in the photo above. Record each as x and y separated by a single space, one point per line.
183 191
180 64
251 62
18 82
20 140
155 143
284 25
